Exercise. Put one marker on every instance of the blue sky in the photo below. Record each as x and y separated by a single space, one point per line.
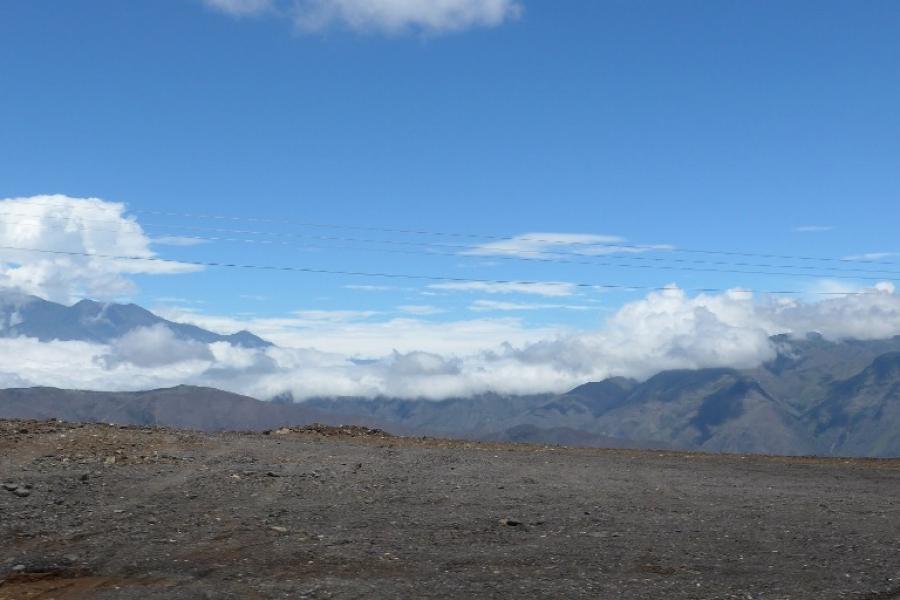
710 125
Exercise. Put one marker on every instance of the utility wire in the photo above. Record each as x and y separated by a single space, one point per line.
535 255
440 278
508 238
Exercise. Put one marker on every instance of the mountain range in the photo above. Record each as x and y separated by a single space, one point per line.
100 322
817 396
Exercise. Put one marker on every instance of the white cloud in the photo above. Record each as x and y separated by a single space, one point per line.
541 288
79 226
178 300
872 256
241 8
178 240
370 338
832 287
814 228
417 358
392 16
369 288
863 316
334 315
82 365
551 245
420 309
665 330
493 305
154 346
385 16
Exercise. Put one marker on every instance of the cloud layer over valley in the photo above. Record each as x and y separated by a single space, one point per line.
472 336
415 357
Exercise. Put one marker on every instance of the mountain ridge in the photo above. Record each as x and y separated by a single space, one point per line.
98 322
717 409
183 406
817 396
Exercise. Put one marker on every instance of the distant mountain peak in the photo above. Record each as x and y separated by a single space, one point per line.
99 322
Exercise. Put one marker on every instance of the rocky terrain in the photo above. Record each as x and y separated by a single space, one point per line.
103 512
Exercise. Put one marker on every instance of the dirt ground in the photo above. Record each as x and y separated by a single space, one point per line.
95 511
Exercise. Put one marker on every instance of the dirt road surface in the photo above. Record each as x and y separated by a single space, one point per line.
103 512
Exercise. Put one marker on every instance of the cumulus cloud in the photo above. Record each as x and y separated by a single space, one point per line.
867 315
81 226
414 358
551 245
385 16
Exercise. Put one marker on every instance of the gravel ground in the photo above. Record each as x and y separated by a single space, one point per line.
103 512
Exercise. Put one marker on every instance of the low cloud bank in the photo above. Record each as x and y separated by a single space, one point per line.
664 330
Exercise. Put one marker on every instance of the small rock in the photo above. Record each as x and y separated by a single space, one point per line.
18 568
22 492
273 474
83 478
279 529
510 522
10 487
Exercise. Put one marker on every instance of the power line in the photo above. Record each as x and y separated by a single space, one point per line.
639 247
440 278
538 256
597 262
